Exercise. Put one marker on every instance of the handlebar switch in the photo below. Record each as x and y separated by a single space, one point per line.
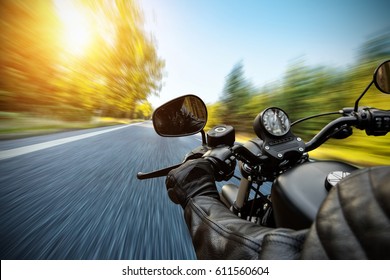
380 122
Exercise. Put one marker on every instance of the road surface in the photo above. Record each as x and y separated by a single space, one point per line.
74 195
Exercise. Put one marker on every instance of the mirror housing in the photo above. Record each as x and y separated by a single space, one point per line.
382 77
182 116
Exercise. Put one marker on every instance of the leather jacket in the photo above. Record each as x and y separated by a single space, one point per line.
352 223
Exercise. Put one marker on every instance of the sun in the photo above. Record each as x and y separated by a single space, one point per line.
77 29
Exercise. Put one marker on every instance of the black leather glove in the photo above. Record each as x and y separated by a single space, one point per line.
193 178
196 153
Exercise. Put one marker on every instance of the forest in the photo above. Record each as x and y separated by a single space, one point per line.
306 90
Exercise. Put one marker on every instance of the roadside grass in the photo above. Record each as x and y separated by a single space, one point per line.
18 125
356 157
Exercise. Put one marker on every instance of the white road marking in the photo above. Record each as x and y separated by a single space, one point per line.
37 147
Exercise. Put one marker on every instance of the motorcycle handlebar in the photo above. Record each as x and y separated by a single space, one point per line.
374 121
330 129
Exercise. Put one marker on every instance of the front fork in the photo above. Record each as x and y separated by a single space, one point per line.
235 197
242 194
258 209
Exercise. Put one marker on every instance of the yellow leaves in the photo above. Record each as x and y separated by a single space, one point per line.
76 56
143 110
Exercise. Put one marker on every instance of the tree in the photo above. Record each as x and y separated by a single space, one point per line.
143 110
113 71
236 93
28 54
376 48
132 68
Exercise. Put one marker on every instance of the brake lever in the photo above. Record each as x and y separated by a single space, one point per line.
156 173
194 154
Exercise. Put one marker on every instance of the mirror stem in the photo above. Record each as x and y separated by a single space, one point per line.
360 97
203 137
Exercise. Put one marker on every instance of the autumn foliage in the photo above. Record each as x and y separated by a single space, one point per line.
76 59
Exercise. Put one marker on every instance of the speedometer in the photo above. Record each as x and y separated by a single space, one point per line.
275 121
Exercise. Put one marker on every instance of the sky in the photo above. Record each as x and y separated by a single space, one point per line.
201 40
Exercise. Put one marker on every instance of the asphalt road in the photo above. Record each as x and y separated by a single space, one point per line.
81 199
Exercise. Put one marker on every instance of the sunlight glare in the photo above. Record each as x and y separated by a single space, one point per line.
77 32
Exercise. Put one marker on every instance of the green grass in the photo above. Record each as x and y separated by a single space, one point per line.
14 125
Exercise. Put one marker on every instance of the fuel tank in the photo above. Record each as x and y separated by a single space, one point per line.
298 193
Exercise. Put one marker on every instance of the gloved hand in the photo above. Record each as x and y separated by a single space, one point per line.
193 178
196 153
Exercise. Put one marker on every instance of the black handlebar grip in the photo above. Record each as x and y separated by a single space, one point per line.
223 162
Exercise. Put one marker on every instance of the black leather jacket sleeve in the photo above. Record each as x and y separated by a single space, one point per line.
354 220
353 223
219 234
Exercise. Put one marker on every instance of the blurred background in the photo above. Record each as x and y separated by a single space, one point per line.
75 61
305 91
74 64
80 64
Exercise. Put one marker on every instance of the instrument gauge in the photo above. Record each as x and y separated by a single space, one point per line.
275 121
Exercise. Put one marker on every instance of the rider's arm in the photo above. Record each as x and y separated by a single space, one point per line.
352 223
216 232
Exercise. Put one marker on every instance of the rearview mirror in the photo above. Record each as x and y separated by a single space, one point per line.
182 116
382 77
